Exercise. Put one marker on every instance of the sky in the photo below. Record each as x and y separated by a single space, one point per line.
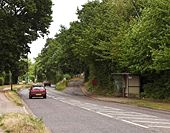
64 12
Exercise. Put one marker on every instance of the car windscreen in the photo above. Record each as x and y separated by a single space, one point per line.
38 88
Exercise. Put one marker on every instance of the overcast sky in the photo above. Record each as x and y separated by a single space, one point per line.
63 13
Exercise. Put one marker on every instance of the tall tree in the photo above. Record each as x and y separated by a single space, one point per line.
21 22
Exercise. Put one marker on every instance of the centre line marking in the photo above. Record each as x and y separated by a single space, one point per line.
134 124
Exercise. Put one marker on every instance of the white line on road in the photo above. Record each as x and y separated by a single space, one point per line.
91 104
85 108
51 96
104 114
134 124
125 114
105 107
156 122
141 118
159 126
118 114
59 98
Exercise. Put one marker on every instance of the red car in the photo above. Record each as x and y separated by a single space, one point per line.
37 91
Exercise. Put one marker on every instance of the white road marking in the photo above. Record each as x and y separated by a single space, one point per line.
134 117
85 108
51 96
121 112
124 114
91 104
135 124
75 101
59 98
56 98
139 118
156 122
105 107
159 126
93 108
104 114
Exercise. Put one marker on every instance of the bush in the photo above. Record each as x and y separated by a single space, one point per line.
159 87
67 76
59 76
1 81
61 85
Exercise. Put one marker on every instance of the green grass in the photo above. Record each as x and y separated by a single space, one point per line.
152 104
21 123
14 97
101 94
15 86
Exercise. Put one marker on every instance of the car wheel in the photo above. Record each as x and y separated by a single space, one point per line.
45 97
30 97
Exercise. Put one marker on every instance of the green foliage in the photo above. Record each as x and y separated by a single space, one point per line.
2 76
158 86
1 80
21 22
112 36
147 41
61 85
67 76
59 76
59 58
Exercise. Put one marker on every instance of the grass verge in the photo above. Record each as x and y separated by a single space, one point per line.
14 97
152 104
15 86
22 123
147 103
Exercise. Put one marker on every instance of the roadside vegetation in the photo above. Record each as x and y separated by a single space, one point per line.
15 86
60 86
113 36
147 103
110 36
21 123
13 95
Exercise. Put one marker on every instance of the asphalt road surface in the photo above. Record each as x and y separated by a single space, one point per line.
71 112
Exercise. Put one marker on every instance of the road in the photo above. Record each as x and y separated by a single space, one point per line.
72 112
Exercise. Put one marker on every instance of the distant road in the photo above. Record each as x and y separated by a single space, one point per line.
71 112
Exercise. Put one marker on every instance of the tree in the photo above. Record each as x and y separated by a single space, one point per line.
146 48
21 22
